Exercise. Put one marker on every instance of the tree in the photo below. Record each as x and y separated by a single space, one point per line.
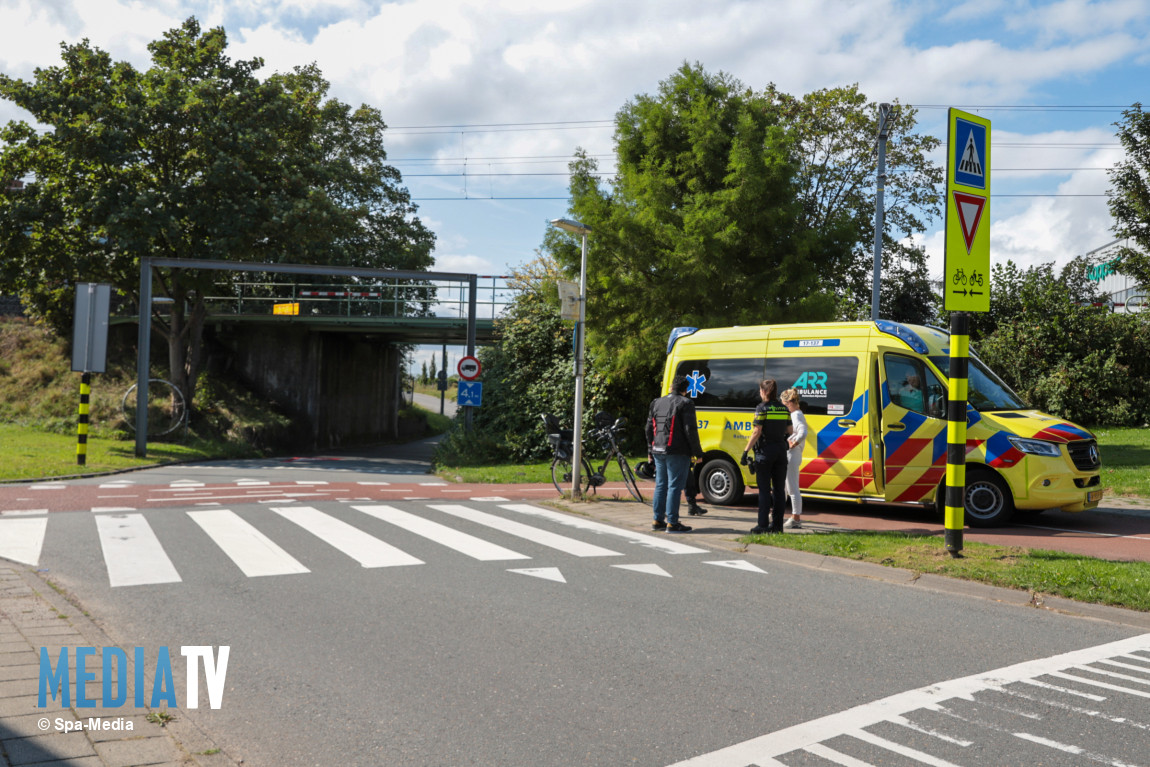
836 133
1130 194
701 225
195 157
1064 354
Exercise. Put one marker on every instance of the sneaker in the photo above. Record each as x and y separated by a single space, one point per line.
660 526
694 509
678 527
793 524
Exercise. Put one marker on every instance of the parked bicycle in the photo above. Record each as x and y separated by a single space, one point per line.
562 444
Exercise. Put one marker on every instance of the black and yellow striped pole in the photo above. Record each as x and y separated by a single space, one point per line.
956 432
82 428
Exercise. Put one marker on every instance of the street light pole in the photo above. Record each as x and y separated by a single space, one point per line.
574 227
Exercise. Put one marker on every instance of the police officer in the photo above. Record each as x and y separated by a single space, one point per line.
768 440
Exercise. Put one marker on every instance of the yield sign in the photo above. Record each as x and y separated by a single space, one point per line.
969 207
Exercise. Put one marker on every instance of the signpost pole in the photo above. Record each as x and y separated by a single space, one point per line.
879 213
965 288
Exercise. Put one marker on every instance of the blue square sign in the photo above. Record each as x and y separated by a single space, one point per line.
470 394
970 159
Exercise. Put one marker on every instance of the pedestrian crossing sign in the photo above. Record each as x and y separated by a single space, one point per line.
966 273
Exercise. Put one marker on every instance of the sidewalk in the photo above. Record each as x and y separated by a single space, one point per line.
33 615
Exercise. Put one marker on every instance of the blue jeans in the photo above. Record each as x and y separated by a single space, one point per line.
670 477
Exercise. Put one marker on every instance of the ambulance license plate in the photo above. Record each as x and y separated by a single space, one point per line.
1094 496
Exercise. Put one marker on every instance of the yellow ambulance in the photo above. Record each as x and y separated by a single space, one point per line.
874 395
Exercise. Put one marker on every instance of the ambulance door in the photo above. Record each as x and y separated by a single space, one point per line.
913 428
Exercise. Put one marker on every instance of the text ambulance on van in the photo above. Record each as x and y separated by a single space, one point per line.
874 395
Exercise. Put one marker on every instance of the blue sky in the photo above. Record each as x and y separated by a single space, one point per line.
536 69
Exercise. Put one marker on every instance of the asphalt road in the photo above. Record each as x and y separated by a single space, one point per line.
392 623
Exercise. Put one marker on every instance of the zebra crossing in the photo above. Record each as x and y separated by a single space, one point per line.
1089 706
134 553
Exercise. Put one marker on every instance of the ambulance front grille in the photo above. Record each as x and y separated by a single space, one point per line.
1084 454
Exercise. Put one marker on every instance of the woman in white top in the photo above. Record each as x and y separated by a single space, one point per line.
795 441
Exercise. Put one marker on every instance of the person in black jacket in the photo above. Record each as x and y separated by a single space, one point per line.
768 440
672 433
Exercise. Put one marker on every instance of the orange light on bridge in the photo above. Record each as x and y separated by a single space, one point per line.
292 308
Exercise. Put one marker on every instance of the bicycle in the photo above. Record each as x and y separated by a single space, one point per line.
562 443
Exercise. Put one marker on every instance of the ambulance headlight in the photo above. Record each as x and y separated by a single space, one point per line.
1035 446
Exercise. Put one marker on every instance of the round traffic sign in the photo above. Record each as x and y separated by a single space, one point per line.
469 368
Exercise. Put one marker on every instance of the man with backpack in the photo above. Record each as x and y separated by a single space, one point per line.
672 443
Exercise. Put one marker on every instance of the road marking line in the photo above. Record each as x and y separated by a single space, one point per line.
1087 532
1067 690
831 755
1114 674
739 564
649 541
21 512
542 537
98 509
547 573
476 548
1069 749
366 549
850 721
1075 709
252 551
898 748
21 540
1130 666
46 487
904 722
132 553
1103 685
646 569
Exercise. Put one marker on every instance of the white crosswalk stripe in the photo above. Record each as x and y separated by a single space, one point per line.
542 537
368 550
252 551
476 548
21 538
132 553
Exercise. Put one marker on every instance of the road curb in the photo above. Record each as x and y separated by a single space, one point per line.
636 516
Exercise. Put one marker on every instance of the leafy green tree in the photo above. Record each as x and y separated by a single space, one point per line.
836 133
1064 354
1130 193
196 157
701 226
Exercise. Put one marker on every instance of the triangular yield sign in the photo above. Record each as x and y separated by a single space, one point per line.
969 207
648 569
739 564
547 573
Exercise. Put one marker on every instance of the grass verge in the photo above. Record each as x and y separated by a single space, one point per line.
26 453
1084 579
1125 461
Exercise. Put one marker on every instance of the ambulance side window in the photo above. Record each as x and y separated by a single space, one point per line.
723 383
914 387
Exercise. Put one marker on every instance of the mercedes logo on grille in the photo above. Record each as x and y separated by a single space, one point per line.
1094 459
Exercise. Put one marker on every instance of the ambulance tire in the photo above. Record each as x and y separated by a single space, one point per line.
988 502
721 482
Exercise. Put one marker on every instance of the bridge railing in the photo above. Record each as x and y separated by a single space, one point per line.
398 298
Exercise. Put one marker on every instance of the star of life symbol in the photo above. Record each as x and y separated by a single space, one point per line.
695 383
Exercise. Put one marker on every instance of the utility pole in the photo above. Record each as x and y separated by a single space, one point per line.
884 113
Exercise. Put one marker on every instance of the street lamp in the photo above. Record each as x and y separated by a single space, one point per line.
574 227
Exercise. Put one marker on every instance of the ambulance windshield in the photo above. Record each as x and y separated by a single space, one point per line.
986 390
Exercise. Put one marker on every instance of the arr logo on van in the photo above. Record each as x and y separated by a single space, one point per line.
812 384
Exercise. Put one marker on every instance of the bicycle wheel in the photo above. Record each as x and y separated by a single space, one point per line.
629 479
561 475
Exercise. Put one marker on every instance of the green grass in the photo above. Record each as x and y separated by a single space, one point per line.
26 453
1125 461
1084 579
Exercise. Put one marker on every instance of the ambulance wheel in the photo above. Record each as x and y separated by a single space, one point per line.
721 483
988 502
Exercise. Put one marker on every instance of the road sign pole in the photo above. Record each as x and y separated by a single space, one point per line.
956 433
879 213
